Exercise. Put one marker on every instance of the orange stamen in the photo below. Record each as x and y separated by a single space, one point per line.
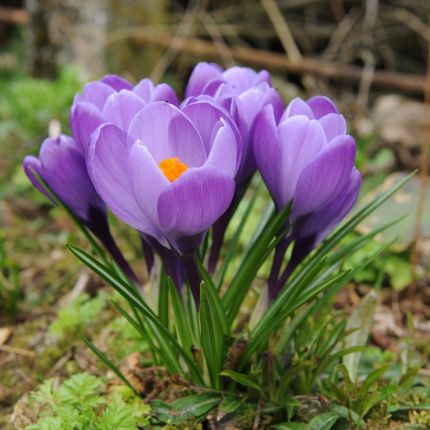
172 168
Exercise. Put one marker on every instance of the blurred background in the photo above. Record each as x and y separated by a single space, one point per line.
371 56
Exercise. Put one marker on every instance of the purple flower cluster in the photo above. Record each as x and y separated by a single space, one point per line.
173 170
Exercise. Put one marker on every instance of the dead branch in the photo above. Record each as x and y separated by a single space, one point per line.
274 61
13 16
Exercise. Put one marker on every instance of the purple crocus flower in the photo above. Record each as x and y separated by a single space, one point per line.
113 100
172 175
62 166
244 92
306 158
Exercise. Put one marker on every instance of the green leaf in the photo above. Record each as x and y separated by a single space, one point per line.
212 327
163 299
251 263
360 321
324 421
169 347
230 404
195 406
243 379
290 426
181 320
282 308
141 329
371 378
109 364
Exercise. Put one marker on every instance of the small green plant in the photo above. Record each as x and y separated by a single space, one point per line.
81 403
10 292
77 316
29 104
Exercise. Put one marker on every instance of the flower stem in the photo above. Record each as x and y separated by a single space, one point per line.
193 275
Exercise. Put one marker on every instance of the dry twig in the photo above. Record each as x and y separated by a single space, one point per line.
274 61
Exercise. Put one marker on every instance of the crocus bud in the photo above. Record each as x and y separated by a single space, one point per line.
62 166
244 92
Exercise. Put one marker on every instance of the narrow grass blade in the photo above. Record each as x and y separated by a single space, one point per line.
163 300
109 364
212 336
167 342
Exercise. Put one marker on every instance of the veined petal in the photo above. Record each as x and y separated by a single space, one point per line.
144 90
321 106
120 108
267 152
63 168
301 139
147 179
223 155
325 176
334 125
191 204
84 119
201 75
118 83
263 76
149 92
322 222
204 113
167 133
242 78
165 93
95 93
108 163
31 166
297 106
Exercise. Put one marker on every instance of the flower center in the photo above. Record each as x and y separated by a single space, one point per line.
173 168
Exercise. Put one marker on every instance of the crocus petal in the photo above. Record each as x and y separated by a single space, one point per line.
193 202
321 106
204 113
117 82
263 76
272 97
301 139
167 133
95 93
223 155
297 106
325 176
144 90
64 169
201 75
84 119
213 87
242 78
267 152
165 93
107 161
120 108
322 222
147 179
31 166
149 92
333 125
248 105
